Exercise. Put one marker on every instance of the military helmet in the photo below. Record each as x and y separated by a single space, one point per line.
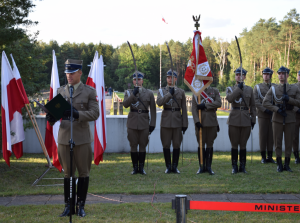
238 71
283 69
169 73
140 75
267 70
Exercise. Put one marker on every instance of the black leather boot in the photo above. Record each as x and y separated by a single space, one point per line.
279 164
83 185
142 156
67 209
202 167
134 159
269 158
287 164
167 155
209 155
176 153
263 157
234 158
243 161
297 160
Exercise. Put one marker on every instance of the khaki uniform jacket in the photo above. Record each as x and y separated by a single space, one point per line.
241 118
175 119
86 102
208 115
260 109
296 108
294 95
140 120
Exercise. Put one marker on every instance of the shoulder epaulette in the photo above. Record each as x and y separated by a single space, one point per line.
89 86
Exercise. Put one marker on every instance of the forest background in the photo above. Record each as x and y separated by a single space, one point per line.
267 43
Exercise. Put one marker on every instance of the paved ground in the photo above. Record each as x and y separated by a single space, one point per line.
158 198
108 100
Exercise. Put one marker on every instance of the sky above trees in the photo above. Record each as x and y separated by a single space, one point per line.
114 22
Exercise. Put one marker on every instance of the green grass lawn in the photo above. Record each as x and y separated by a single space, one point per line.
113 176
133 212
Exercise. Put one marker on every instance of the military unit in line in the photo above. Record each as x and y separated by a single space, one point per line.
278 112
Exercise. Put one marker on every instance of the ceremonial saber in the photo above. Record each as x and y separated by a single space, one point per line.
171 64
136 73
182 149
241 80
148 150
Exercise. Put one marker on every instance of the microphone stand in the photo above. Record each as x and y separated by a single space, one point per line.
72 145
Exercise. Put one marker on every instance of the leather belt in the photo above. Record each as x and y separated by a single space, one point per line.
139 111
287 106
240 108
172 109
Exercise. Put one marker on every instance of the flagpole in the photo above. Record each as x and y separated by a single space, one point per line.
160 69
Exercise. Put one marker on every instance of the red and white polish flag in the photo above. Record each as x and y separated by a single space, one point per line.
200 77
96 80
52 131
163 19
17 123
12 101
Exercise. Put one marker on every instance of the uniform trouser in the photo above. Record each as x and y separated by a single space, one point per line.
171 135
265 134
296 136
239 136
138 137
82 159
288 129
209 134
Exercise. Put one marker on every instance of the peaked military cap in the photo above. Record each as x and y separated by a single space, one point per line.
140 75
169 73
238 71
267 70
283 69
72 66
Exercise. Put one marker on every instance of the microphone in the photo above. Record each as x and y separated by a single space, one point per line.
71 91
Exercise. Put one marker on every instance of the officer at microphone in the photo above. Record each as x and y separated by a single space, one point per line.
85 109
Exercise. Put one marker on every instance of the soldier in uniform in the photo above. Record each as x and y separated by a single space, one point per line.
240 119
174 120
283 116
264 117
209 124
138 128
85 109
297 125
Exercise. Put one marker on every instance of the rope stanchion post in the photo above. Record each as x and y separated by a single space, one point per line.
181 206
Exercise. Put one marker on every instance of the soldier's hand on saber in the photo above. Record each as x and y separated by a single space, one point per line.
285 97
171 90
135 91
201 106
281 112
199 125
151 128
184 129
241 85
268 112
252 125
50 119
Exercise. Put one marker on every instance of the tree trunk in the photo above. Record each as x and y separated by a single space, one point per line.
290 40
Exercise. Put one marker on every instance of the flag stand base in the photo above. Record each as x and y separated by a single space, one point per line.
41 177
